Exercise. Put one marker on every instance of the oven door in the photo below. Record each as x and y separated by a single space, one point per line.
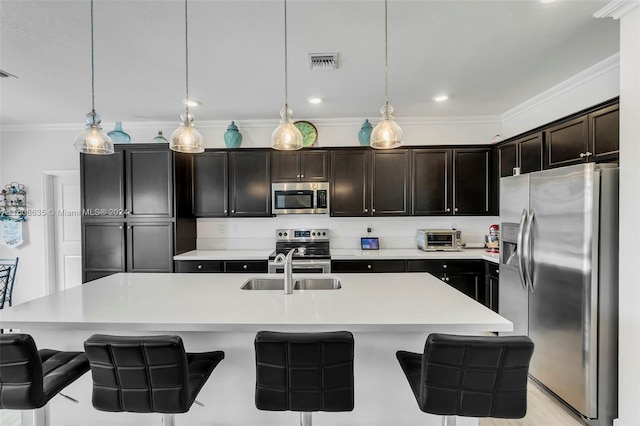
302 267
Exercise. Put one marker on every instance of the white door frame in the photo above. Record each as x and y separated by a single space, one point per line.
50 261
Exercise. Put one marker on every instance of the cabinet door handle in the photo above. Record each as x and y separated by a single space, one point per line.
120 227
455 210
589 154
129 227
297 176
233 211
366 210
244 266
444 266
301 176
368 266
448 209
373 210
582 155
225 210
447 279
199 266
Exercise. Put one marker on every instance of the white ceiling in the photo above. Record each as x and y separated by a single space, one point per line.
488 55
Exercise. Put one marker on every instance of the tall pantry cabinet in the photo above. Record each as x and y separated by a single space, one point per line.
135 203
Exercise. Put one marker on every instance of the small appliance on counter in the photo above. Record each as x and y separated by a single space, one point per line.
492 241
439 239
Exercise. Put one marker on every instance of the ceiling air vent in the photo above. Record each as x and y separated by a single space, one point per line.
4 74
323 61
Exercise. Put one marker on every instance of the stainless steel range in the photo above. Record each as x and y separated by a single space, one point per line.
316 257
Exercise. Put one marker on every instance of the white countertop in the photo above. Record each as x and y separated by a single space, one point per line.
344 254
215 302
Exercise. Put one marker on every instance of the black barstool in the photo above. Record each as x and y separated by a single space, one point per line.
304 372
148 374
29 377
470 376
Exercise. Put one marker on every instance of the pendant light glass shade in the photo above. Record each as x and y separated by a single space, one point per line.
387 134
93 140
186 138
286 137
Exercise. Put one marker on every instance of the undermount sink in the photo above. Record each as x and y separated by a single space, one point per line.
264 284
301 284
317 284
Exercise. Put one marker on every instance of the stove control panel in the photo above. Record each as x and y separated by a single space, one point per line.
302 235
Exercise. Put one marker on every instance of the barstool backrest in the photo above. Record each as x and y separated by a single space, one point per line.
304 371
483 376
146 374
21 385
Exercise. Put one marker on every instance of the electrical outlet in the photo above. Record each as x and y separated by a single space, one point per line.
221 229
369 228
453 225
234 229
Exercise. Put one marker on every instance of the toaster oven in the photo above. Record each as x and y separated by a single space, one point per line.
439 239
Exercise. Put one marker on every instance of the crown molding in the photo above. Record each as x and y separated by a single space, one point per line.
617 9
257 123
609 64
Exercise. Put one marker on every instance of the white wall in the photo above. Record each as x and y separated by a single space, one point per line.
629 334
592 86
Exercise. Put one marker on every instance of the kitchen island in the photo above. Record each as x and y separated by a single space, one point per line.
386 312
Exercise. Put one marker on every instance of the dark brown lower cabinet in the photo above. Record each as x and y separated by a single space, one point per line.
229 266
467 276
492 280
112 247
364 266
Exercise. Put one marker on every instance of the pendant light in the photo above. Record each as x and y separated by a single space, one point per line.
286 136
186 138
387 134
93 140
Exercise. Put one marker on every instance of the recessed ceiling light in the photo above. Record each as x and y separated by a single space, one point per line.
441 98
192 103
314 100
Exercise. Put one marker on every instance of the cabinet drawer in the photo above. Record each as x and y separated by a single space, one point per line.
368 266
259 266
199 266
492 269
446 266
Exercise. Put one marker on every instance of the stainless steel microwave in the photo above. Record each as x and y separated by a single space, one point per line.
300 198
439 240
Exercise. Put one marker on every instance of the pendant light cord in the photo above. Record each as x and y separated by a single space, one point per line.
93 86
386 58
186 56
286 83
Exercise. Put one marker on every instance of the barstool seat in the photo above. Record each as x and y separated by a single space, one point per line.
29 377
471 376
147 374
304 372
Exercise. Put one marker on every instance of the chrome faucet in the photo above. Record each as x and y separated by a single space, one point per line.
288 273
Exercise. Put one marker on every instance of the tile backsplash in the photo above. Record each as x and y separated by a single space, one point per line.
394 232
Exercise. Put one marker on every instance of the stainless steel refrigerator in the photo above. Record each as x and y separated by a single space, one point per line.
559 280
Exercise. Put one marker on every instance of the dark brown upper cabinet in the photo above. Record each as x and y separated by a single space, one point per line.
210 184
390 182
350 182
250 183
591 137
471 181
300 166
525 152
136 181
432 186
604 134
451 181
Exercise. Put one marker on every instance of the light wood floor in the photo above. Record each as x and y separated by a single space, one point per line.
542 410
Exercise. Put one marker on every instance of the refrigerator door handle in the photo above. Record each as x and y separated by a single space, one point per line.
528 252
520 248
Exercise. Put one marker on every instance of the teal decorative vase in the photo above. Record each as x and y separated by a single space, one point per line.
160 138
364 135
232 137
118 136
